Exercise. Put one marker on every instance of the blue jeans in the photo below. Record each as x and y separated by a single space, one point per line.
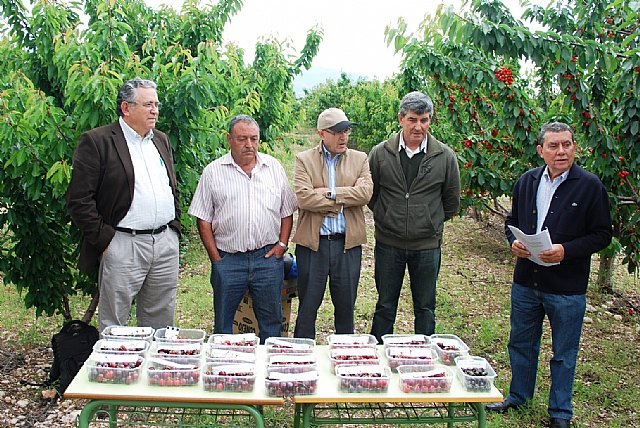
424 266
263 277
565 313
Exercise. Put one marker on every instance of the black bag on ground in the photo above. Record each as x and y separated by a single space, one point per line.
71 348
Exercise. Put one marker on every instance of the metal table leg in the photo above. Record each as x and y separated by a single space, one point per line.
112 406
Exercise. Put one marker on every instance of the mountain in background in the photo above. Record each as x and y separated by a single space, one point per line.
317 76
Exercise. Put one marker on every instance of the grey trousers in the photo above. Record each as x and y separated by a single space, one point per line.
144 267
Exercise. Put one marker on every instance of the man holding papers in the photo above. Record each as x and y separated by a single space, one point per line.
572 206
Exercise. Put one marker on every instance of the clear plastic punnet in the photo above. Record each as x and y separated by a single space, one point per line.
292 363
294 345
138 347
229 377
173 371
352 356
216 354
114 368
448 347
175 349
425 379
405 355
352 341
119 332
475 373
179 335
246 342
363 378
412 340
280 383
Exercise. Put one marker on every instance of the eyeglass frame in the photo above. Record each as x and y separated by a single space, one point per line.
148 105
345 131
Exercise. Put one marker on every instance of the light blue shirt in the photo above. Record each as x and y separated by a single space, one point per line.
546 190
337 224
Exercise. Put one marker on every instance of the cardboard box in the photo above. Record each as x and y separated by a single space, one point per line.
290 288
245 320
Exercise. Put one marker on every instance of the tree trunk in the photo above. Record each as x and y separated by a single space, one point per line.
605 274
475 214
91 310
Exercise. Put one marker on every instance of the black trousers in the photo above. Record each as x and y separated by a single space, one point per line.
342 268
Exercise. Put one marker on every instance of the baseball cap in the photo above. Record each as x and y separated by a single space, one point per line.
334 119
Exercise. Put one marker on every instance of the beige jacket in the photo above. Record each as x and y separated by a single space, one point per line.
311 173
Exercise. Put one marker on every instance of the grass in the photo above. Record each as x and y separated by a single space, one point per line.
473 302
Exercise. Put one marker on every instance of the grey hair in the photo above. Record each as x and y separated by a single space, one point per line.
242 118
128 91
416 102
553 127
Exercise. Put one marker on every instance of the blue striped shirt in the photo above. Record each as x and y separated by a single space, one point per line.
337 224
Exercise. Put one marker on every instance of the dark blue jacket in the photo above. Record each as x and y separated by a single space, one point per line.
578 218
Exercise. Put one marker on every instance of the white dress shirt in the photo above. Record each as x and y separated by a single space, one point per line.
152 205
421 148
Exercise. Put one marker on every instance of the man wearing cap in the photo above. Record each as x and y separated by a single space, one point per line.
416 188
332 184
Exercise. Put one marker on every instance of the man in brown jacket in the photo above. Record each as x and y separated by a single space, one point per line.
123 198
332 184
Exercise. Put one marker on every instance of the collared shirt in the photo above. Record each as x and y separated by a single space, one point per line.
410 153
152 205
244 212
546 189
337 224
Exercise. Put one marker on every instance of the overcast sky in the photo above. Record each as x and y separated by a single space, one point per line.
353 40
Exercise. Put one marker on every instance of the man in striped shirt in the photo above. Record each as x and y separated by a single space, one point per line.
244 206
332 185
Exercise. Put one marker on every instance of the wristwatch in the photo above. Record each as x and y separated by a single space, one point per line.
283 245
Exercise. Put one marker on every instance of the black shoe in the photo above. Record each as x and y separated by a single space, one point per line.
560 423
501 407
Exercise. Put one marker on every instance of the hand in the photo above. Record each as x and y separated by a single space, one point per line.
277 250
554 255
214 256
360 182
104 252
321 190
519 250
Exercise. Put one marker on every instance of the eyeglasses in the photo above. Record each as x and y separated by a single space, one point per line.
149 105
345 131
567 145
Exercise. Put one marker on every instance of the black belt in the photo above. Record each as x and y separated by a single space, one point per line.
142 232
333 237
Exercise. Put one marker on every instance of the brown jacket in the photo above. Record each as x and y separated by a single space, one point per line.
101 188
311 173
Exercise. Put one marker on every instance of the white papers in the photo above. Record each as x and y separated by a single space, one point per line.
534 243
